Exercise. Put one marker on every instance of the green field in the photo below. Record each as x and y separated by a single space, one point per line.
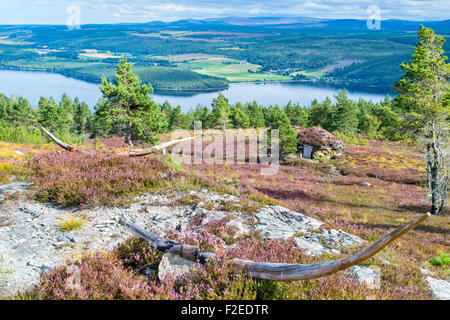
231 69
191 55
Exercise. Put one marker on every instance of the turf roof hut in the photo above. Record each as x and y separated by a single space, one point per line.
319 143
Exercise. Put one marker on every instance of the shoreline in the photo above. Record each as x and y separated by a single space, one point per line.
358 87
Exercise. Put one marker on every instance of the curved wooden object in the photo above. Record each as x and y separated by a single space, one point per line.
63 145
131 153
144 152
274 271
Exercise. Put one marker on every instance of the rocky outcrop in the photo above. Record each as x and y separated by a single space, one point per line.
319 143
439 288
277 222
174 266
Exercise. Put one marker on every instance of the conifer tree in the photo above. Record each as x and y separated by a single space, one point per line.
220 117
345 115
129 107
238 117
424 95
287 135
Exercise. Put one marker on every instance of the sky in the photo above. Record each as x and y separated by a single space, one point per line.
120 11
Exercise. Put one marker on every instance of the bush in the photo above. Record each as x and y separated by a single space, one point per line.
21 134
320 138
442 260
94 179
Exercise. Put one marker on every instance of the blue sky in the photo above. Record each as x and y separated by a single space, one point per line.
116 11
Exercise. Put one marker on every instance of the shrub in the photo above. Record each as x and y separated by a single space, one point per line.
94 179
101 276
320 138
442 260
71 223
21 134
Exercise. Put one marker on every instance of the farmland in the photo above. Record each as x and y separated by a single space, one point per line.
209 55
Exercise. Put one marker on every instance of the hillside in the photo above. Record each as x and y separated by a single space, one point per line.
217 206
254 49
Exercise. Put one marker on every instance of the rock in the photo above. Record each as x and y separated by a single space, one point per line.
365 184
426 272
276 222
239 226
211 216
439 288
368 276
174 265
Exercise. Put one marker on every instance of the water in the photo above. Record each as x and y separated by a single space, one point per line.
33 85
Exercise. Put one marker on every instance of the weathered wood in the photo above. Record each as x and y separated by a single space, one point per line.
162 146
131 153
63 145
289 272
274 271
166 245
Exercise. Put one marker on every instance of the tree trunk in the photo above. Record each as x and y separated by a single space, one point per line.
128 135
438 177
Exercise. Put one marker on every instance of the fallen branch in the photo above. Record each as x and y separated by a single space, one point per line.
273 271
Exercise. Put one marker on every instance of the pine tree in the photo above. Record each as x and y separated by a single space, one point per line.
177 120
50 117
423 94
21 112
287 135
129 107
238 117
83 118
345 116
220 112
203 114
321 114
255 115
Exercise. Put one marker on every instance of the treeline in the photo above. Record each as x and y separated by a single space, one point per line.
73 120
345 116
19 121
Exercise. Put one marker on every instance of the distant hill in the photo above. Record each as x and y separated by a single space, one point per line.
311 23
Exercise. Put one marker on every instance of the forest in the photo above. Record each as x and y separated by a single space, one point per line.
353 56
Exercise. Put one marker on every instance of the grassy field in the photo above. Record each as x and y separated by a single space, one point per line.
231 69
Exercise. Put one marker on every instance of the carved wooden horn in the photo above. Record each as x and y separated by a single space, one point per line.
274 271
63 145
131 153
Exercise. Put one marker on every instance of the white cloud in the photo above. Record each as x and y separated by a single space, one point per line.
53 11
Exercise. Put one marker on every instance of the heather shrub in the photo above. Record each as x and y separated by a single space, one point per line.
94 179
120 275
101 276
318 137
137 254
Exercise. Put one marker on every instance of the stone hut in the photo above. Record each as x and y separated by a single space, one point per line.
319 143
